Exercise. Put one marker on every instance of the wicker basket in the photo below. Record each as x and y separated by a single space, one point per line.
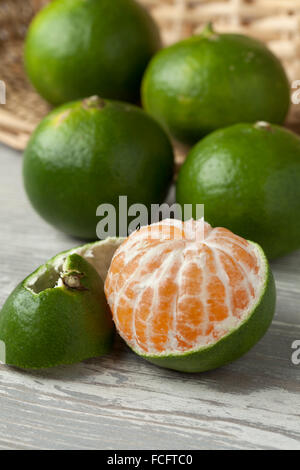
277 22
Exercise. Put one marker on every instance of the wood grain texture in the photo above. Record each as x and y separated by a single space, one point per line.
121 401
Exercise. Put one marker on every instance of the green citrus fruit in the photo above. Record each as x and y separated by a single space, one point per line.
248 176
214 80
189 297
90 152
59 314
77 48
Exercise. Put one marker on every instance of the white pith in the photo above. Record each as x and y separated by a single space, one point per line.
98 254
179 254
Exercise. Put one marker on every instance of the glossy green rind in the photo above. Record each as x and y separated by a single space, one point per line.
248 178
89 153
78 48
234 344
212 81
44 326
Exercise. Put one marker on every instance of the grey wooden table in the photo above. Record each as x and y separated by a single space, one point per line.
123 402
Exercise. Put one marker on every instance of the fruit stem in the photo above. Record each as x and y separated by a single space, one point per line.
72 280
208 30
93 102
263 125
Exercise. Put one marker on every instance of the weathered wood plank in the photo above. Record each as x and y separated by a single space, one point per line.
121 401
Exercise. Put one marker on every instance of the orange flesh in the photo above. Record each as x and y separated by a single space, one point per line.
176 286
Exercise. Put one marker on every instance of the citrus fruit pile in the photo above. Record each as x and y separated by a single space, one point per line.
182 294
89 152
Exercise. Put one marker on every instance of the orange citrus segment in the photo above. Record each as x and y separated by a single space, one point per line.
176 286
